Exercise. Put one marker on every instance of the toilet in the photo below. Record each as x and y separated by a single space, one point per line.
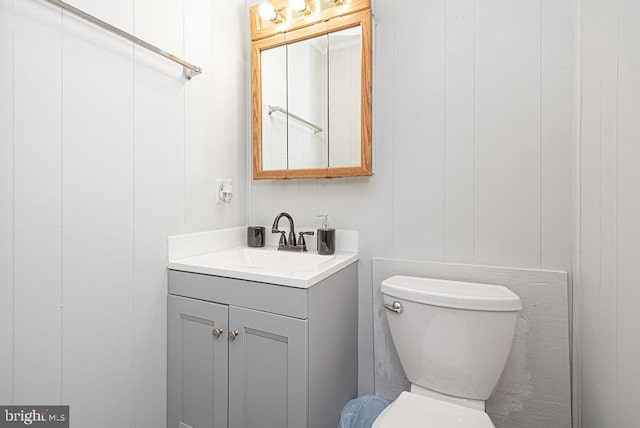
453 339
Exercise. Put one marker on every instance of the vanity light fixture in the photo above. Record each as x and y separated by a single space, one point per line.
269 13
300 6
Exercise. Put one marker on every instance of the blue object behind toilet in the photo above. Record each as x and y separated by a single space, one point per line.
361 412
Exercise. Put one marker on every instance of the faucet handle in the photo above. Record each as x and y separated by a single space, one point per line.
301 242
283 237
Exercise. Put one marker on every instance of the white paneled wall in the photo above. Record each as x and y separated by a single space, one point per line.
473 105
98 214
159 137
6 202
508 134
105 150
37 203
610 209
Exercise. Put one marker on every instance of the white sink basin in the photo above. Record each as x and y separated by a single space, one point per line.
281 260
266 265
268 259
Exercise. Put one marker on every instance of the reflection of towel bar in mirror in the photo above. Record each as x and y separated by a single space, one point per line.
272 109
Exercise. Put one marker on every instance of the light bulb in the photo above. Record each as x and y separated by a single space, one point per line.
300 5
268 12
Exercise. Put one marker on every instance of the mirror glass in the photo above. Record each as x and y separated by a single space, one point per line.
311 102
345 50
307 127
274 96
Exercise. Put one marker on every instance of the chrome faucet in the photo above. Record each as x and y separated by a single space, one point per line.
283 238
291 244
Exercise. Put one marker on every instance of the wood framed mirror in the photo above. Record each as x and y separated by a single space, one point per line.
312 90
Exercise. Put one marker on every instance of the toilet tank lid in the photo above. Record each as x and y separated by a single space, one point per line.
452 294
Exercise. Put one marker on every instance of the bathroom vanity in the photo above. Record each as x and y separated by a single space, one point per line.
260 338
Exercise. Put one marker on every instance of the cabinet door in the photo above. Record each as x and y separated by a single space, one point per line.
267 370
197 364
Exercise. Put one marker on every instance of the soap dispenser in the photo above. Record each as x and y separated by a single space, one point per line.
326 237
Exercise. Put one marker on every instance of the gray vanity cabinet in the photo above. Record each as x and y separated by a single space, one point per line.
197 364
267 370
287 357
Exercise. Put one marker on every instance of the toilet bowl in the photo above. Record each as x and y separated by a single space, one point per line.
453 339
411 410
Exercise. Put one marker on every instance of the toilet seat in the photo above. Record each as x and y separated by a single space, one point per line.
411 410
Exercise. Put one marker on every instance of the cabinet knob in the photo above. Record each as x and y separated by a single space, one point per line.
232 335
217 332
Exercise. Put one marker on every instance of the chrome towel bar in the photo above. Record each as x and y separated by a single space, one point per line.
190 70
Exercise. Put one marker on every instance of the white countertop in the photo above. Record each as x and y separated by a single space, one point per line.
223 253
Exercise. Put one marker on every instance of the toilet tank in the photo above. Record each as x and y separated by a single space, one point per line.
452 337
